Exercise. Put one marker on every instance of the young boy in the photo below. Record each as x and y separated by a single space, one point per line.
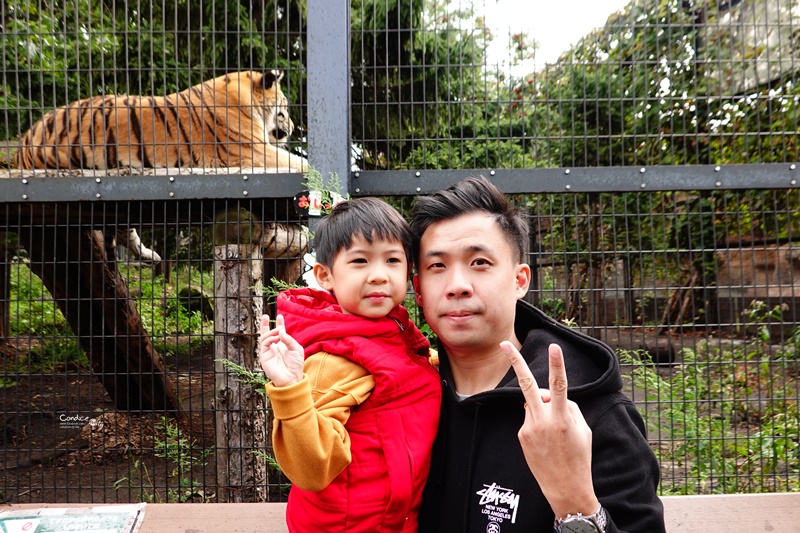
355 421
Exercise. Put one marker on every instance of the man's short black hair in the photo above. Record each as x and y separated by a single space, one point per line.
371 218
470 196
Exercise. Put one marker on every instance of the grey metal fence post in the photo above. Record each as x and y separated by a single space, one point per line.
329 88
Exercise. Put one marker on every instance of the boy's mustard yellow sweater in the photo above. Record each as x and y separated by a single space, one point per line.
311 415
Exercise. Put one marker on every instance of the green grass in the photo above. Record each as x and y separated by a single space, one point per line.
162 314
714 440
34 315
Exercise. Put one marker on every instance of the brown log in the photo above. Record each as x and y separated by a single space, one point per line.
240 409
89 290
282 240
283 247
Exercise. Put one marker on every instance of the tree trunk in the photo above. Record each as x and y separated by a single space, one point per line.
87 287
240 408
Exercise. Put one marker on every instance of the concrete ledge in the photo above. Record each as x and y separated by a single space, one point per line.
731 513
734 513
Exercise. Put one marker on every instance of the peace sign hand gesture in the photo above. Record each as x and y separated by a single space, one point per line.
279 354
555 438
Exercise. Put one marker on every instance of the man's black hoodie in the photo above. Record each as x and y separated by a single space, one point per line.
479 480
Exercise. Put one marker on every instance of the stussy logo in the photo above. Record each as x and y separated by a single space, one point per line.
498 503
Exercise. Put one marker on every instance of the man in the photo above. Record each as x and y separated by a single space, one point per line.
508 456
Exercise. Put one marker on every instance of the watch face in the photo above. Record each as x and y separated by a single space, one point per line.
578 526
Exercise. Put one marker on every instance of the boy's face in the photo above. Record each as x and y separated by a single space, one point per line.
367 279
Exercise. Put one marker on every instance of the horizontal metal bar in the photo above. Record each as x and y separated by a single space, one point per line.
403 182
584 179
183 187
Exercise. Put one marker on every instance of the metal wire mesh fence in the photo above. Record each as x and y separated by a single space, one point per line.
655 157
696 291
453 84
113 389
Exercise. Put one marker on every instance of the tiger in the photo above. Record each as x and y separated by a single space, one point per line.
235 120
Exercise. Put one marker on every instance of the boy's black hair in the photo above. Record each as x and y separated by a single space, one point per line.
371 218
469 196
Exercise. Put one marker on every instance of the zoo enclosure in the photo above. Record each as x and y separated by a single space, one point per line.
656 158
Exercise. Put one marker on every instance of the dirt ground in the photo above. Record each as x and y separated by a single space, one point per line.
63 440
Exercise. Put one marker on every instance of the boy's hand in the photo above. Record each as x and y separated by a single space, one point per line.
279 354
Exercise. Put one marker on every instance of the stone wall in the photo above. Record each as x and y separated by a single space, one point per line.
768 274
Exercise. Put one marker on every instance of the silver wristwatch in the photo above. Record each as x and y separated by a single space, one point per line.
593 523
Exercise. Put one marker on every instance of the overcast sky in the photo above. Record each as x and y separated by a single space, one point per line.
554 24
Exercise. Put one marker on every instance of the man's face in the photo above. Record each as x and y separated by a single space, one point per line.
468 283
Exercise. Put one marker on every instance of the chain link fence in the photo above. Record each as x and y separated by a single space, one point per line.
656 157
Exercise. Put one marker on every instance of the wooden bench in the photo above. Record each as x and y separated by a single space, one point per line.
734 513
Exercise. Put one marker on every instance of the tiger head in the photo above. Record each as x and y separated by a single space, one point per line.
275 107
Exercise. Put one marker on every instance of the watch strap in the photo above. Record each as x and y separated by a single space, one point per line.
599 520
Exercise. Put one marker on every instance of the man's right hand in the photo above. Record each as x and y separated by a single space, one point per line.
555 438
279 354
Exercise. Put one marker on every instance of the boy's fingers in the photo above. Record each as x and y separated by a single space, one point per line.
530 389
263 327
289 341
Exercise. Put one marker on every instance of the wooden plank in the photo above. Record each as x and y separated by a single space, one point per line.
734 513
214 518
199 517
730 513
